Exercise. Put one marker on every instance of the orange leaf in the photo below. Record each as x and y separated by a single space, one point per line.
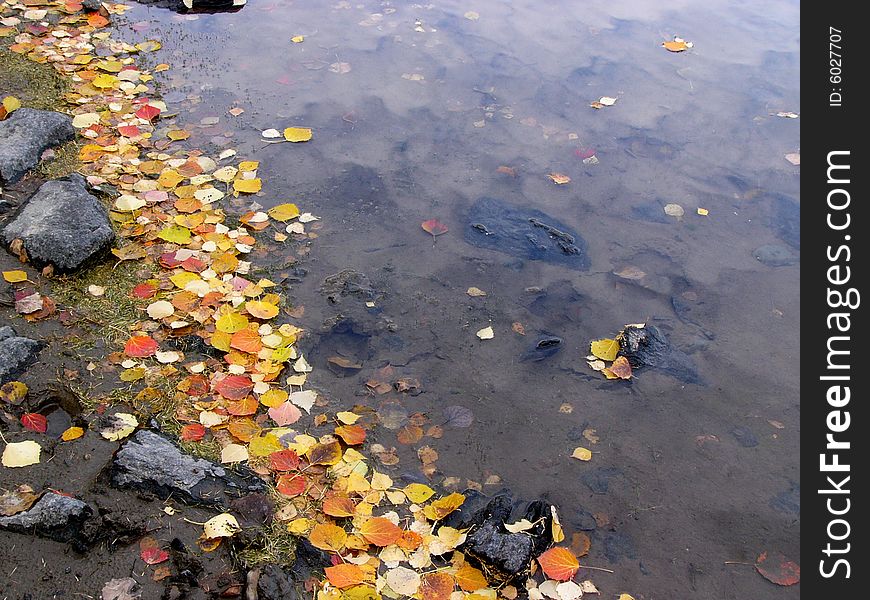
621 368
192 432
244 407
380 531
234 387
244 430
470 579
351 434
778 569
339 506
325 454
409 434
140 346
559 563
327 537
410 540
246 340
344 575
437 586
443 506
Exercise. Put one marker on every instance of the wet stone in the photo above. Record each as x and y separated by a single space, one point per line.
149 462
16 353
62 225
25 135
54 516
649 347
347 283
524 233
786 220
598 479
744 436
788 501
288 583
774 256
617 545
543 348
583 520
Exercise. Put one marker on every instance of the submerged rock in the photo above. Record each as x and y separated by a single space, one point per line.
62 224
16 352
54 516
288 583
786 220
149 462
524 233
25 135
543 348
773 255
649 347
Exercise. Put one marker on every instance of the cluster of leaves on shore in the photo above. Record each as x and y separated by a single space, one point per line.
250 395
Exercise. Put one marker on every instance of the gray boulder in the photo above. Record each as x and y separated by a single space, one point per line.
150 462
62 224
25 135
15 353
54 516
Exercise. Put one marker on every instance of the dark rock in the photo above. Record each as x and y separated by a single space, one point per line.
617 546
583 520
744 436
598 479
649 347
507 555
347 283
525 233
543 348
62 224
92 5
774 256
786 220
54 516
16 353
25 135
788 501
288 583
197 6
149 462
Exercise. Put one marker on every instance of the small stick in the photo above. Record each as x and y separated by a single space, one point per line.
596 568
737 562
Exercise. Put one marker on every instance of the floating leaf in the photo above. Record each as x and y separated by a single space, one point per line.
442 507
582 454
486 333
248 186
621 368
234 387
34 422
674 210
434 227
140 346
437 586
458 416
559 563
153 555
234 453
285 414
223 525
777 568
284 460
676 46
325 454
21 454
559 178
297 134
352 435
418 492
403 581
380 531
605 349
231 322
339 506
794 158
344 575
260 309
291 485
192 432
298 39
284 212
328 537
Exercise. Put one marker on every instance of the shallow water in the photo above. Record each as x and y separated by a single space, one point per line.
412 125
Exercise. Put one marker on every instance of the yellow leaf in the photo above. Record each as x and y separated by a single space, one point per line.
249 165
443 506
582 454
347 417
605 349
703 212
248 186
11 103
674 47
231 322
418 492
72 433
625 597
175 234
104 81
182 279
297 39
274 398
559 178
225 174
14 276
300 526
177 134
170 178
265 445
297 134
284 212
260 309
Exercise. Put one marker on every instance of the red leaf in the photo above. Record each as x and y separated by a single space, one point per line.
284 460
128 130
777 568
291 485
234 387
140 346
193 432
559 563
144 290
154 556
34 422
285 414
434 226
147 112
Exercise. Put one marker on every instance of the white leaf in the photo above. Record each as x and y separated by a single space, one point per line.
21 454
223 525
